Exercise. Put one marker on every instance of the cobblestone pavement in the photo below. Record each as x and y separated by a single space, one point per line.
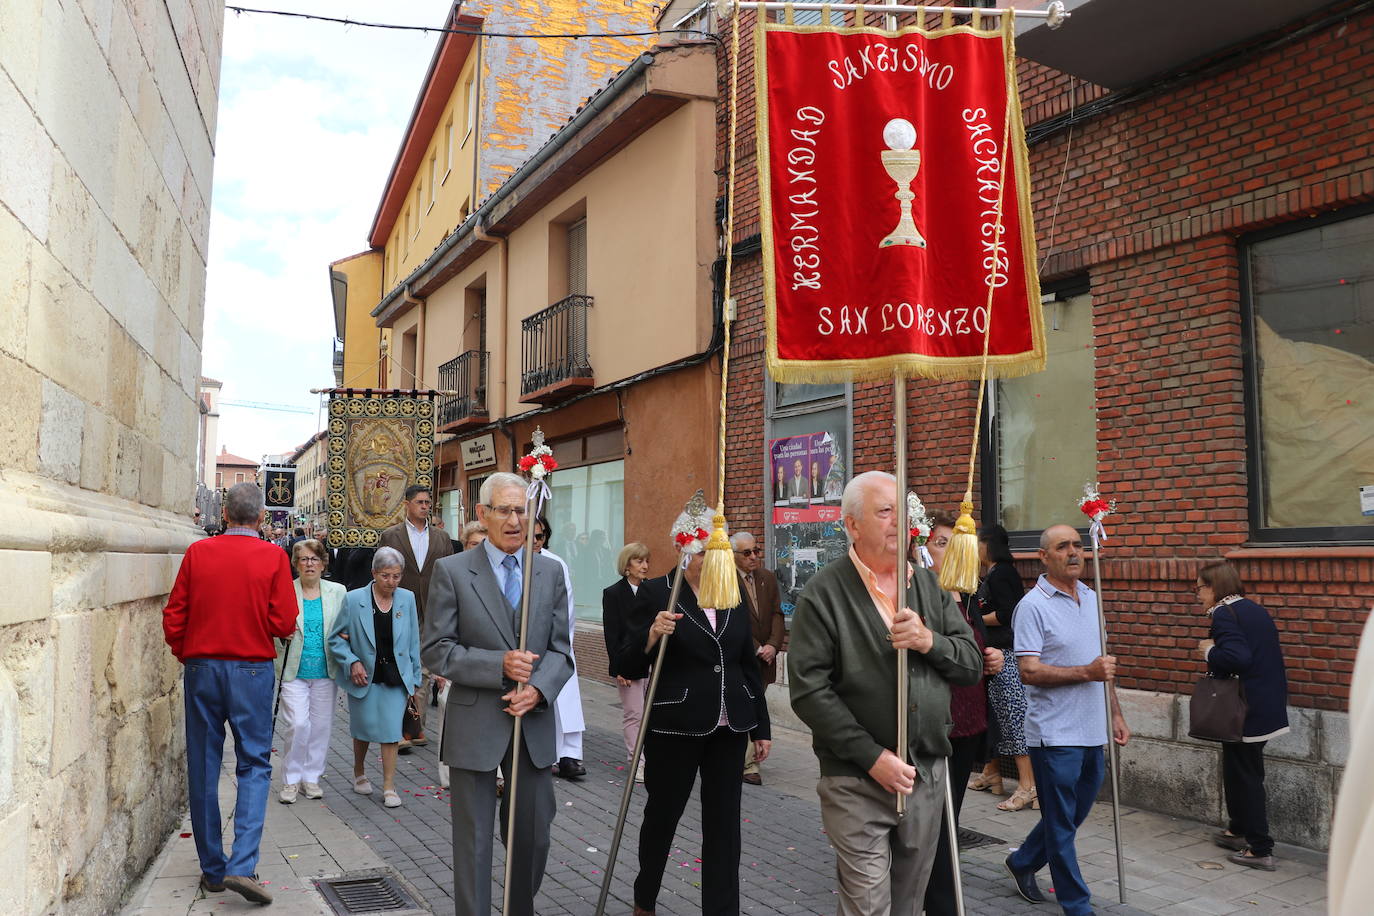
787 867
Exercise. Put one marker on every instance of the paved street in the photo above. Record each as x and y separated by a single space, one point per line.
787 867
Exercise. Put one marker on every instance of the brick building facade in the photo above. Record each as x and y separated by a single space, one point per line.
1155 212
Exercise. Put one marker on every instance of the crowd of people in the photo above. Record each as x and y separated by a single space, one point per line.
1006 679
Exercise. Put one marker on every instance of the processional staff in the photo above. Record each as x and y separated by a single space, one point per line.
539 463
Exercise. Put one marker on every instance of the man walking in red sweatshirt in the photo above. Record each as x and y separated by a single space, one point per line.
232 595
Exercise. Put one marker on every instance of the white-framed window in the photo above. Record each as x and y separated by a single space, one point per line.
470 112
448 147
433 176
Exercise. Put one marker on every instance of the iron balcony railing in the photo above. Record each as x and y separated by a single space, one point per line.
467 375
554 348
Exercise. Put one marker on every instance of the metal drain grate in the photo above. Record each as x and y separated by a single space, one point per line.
972 839
366 892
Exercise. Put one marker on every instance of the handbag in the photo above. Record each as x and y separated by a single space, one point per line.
410 722
1217 712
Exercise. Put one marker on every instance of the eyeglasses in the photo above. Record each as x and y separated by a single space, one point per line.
756 551
507 511
309 560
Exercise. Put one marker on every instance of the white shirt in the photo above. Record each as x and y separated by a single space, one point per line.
419 543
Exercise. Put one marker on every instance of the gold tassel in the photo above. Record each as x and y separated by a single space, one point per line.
719 578
959 569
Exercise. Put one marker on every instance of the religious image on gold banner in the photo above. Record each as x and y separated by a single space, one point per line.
896 202
377 446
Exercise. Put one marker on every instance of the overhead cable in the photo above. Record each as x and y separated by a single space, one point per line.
476 33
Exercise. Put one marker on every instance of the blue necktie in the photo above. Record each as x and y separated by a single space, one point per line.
511 587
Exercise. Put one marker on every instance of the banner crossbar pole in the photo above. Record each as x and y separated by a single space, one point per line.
1054 13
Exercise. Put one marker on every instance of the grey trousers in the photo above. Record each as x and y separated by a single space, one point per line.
883 861
473 800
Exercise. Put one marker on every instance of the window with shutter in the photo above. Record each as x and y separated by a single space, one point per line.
577 258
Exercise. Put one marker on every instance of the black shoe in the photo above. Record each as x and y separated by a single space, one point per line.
1025 884
1264 863
568 768
1227 840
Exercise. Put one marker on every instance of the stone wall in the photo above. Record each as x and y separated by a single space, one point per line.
108 109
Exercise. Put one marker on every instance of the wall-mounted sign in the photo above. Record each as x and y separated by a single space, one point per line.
479 452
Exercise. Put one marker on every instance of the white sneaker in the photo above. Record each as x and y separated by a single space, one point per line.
391 799
288 794
312 790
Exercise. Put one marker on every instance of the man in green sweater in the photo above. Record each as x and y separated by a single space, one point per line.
842 667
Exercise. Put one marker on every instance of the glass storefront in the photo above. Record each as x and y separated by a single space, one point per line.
587 514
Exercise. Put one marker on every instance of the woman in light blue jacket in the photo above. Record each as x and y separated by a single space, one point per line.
307 685
376 645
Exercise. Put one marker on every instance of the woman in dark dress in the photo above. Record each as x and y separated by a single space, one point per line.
1244 643
709 703
617 603
997 597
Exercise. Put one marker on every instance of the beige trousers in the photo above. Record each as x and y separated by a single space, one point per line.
882 860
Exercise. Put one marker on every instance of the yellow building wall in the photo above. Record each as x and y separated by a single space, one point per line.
362 337
650 247
446 200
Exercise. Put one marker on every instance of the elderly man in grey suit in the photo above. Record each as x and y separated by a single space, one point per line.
471 635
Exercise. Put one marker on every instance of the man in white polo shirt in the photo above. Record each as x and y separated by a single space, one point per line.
1058 646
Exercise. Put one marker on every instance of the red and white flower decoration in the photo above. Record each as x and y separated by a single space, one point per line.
917 518
1096 508
539 462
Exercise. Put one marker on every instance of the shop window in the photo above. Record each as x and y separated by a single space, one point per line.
1309 309
587 515
1042 445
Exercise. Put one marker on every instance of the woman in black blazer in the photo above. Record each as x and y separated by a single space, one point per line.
708 705
617 606
1244 642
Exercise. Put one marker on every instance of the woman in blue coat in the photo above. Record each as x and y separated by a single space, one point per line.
376 644
1245 643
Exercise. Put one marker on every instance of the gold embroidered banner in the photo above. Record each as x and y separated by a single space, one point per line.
378 445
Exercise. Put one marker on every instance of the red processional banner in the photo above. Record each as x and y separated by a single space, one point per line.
895 199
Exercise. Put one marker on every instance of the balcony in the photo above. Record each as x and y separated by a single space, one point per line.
467 375
554 364
1122 44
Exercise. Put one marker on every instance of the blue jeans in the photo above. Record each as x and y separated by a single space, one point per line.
220 690
1067 780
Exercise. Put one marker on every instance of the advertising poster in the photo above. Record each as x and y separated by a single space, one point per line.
807 482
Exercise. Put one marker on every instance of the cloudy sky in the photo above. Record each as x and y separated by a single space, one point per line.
310 118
